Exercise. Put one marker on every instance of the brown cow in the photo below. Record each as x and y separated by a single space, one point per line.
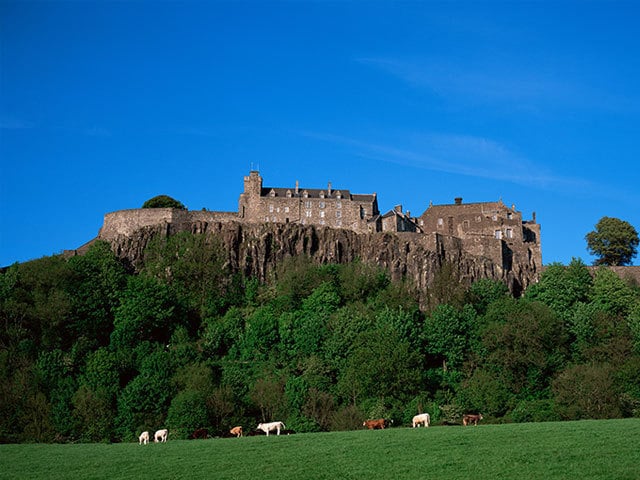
374 424
237 431
202 433
469 419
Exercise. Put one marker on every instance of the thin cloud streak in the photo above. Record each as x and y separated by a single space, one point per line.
461 155
493 83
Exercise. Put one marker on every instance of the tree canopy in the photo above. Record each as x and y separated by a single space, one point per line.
93 352
163 201
614 242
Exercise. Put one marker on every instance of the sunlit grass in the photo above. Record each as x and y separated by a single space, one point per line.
570 450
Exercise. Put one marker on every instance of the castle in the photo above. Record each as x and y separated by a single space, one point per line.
490 230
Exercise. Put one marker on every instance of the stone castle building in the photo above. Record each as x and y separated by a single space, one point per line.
490 230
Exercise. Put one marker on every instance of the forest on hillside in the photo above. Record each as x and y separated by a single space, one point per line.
92 352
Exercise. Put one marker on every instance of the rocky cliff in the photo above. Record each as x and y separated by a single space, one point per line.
255 249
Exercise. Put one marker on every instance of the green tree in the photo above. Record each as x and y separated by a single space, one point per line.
614 242
193 265
561 288
525 343
163 201
147 312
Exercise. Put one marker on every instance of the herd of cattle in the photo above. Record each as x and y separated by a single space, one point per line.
422 419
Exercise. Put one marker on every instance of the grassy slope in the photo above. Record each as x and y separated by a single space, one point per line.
570 450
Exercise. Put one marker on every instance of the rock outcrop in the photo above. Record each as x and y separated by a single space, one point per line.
255 249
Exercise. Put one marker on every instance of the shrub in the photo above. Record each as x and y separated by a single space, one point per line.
188 412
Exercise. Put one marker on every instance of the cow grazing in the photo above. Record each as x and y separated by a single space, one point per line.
422 419
201 433
161 436
237 431
469 419
374 424
270 427
143 438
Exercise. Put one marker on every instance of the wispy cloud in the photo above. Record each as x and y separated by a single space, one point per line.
495 81
7 123
462 155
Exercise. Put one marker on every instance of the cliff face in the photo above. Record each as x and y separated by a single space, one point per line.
255 249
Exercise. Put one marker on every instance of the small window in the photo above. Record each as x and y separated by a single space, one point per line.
322 194
494 217
322 214
272 193
338 195
270 208
307 213
509 216
440 221
339 223
305 194
478 219
338 204
286 209
338 214
321 204
307 204
509 233
288 193
498 234
465 224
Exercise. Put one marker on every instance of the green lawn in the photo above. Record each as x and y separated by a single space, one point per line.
605 449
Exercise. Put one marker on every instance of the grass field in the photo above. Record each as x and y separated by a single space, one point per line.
604 449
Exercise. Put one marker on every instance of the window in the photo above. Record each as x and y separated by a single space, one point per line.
272 193
465 224
307 213
509 215
286 209
307 204
494 217
321 205
478 219
509 233
322 194
338 214
322 214
498 234
288 193
339 223
338 204
305 194
270 208
440 222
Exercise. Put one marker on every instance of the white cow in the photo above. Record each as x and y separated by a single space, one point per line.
144 438
270 427
423 419
161 435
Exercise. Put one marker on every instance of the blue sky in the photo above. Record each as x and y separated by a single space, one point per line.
104 105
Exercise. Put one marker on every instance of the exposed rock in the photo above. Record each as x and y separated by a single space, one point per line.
255 249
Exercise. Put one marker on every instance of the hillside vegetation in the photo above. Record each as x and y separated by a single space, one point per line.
93 353
589 450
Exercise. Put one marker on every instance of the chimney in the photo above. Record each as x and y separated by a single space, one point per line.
398 208
329 190
297 186
458 200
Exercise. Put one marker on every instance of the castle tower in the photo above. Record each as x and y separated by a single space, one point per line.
251 195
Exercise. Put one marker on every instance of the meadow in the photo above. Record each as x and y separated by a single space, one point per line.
593 449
